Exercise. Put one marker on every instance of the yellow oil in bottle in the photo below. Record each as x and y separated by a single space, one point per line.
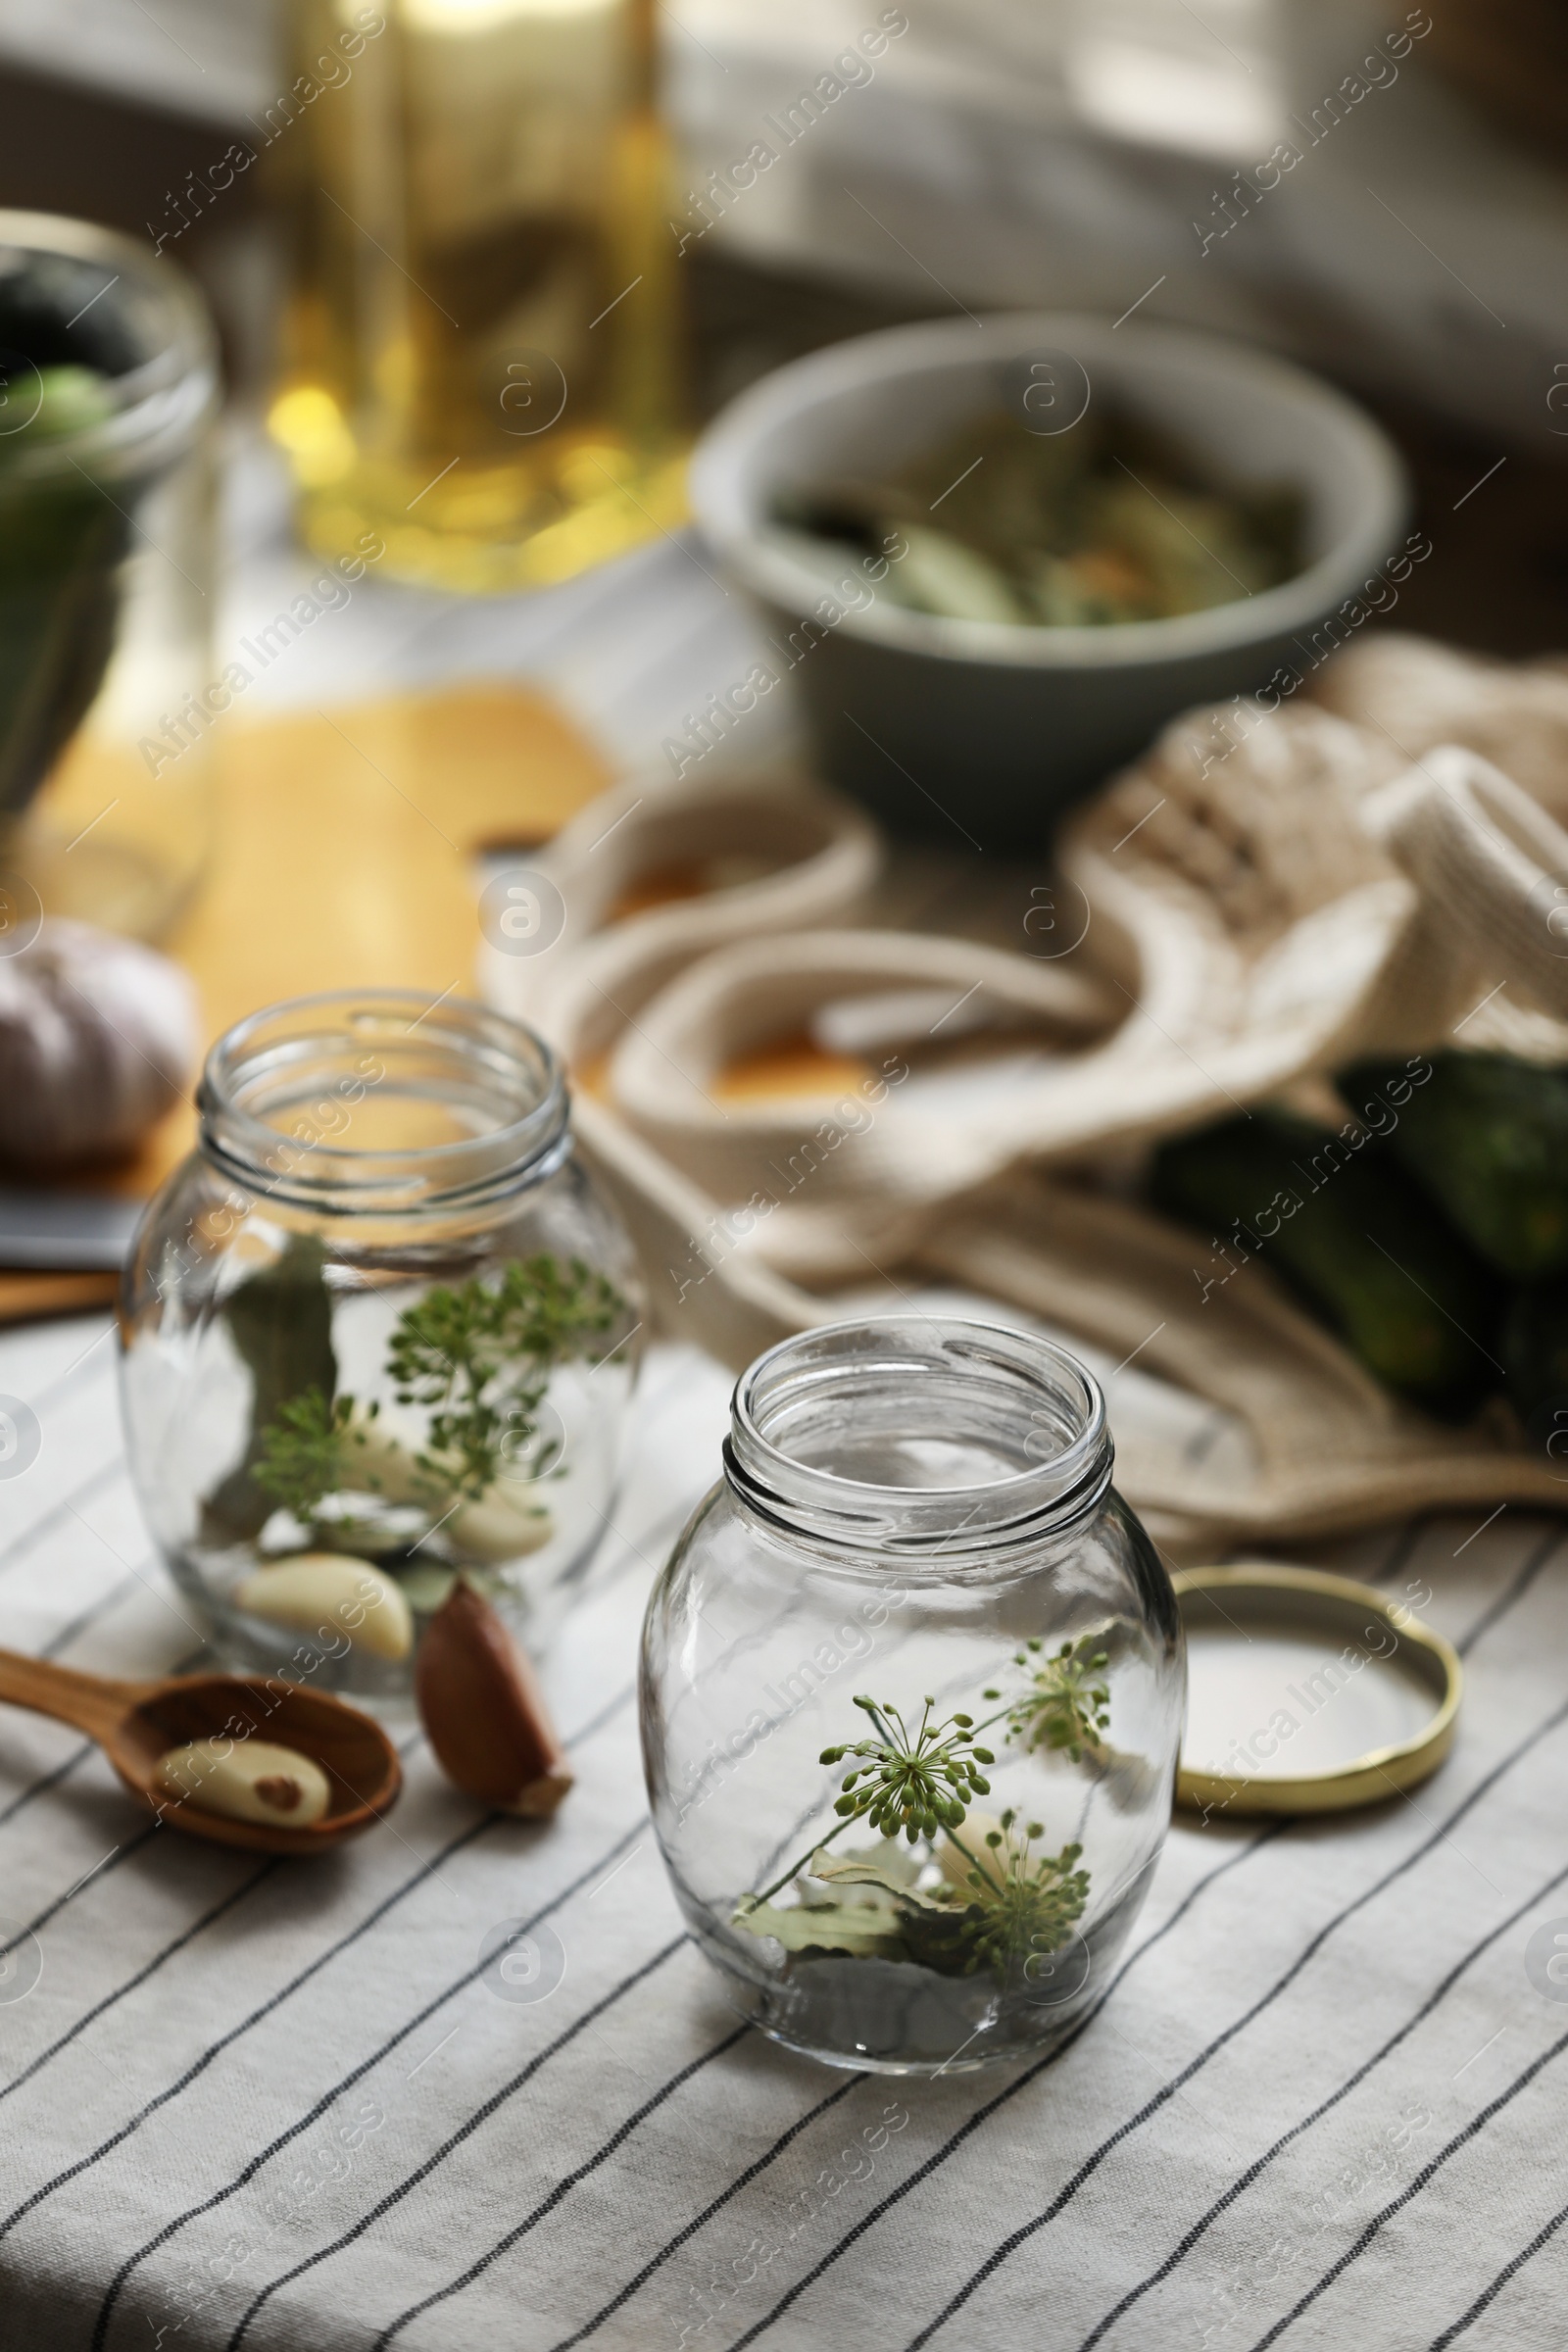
484 332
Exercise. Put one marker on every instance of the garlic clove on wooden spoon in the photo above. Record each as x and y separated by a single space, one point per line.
97 1040
247 1780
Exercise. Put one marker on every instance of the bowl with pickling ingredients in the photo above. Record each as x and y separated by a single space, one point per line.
994 556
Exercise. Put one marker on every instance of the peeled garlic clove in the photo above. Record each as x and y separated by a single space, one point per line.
956 1865
483 1712
326 1592
378 1463
247 1780
97 1037
501 1525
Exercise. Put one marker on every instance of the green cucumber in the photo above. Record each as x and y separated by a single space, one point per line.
63 539
1486 1138
1361 1245
279 1320
1535 1350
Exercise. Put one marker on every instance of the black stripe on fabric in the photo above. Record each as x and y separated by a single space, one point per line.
1509 2270
109 2000
597 1723
106 1600
321 2106
1515 1592
472 2124
1404 1544
454 1847
940 2156
112 1861
41 1526
561 2190
770 2154
200 2065
77 1755
1411 2190
1091 2163
50 1780
660 1535
67 1380
1167 2091
167 1951
1245 2181
742 2181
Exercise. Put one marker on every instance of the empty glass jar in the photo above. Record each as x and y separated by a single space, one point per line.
913 1693
379 1331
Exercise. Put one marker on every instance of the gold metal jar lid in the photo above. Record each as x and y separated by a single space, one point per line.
1253 1625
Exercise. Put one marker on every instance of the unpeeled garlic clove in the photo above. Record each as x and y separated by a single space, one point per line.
246 1779
326 1592
483 1712
97 1036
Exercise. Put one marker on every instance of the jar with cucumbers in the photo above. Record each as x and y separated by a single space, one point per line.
379 1334
108 397
1429 1230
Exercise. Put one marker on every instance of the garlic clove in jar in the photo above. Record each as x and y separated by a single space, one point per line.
246 1779
97 1039
326 1592
952 1862
376 1462
506 1520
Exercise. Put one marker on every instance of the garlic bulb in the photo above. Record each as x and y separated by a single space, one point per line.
97 1038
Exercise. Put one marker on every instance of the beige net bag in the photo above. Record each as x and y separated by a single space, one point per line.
1254 902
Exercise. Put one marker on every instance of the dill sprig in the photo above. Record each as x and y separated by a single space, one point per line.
1022 1904
302 1451
460 1352
918 1782
479 1356
924 1782
1067 1704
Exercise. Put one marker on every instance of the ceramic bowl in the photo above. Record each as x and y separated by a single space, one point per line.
986 729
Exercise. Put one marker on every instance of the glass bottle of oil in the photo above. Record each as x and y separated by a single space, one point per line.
484 334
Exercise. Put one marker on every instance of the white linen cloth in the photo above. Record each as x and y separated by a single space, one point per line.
276 2105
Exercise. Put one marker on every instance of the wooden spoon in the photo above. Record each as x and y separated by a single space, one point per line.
135 1724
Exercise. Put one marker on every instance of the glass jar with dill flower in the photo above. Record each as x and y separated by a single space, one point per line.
378 1333
912 1693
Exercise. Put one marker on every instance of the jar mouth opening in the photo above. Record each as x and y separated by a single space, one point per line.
917 1434
95 298
383 1102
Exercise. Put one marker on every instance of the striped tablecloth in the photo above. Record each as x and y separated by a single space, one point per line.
287 2106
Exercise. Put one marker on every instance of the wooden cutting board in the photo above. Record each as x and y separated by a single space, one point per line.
345 857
